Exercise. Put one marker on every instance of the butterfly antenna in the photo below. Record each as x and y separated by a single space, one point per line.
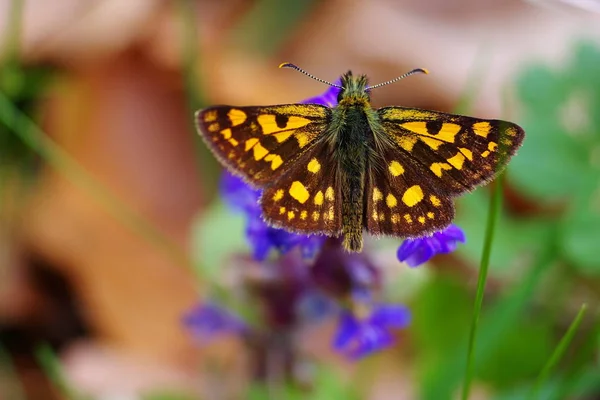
409 73
290 65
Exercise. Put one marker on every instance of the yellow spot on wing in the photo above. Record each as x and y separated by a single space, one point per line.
485 154
391 201
408 218
302 138
481 128
214 127
281 210
276 161
430 215
313 166
316 215
295 122
329 194
299 192
421 220
438 167
457 160
395 218
250 143
468 153
412 196
259 151
407 142
233 142
278 195
448 132
396 168
236 117
435 201
283 136
431 142
210 116
268 124
377 195
303 215
492 146
511 131
404 114
226 133
419 127
291 215
328 216
319 198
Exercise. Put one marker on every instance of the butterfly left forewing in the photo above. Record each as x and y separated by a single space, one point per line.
259 142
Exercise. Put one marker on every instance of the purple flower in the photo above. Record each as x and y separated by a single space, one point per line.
359 337
262 237
329 98
209 320
418 251
238 195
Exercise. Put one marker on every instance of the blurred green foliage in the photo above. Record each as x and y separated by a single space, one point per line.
24 86
559 164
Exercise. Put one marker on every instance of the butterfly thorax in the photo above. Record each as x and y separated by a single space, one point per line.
353 139
354 90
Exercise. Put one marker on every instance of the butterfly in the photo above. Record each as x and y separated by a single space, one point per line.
339 170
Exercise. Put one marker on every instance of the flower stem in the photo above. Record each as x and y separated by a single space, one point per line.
481 281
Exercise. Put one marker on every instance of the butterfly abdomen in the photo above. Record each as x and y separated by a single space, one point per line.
353 138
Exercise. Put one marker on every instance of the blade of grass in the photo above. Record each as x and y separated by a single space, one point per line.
56 157
50 364
558 352
11 386
501 317
481 281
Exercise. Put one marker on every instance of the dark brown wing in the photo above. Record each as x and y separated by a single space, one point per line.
307 198
456 153
261 143
427 158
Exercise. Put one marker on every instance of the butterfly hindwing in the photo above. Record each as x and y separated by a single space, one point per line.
400 202
307 198
456 153
258 143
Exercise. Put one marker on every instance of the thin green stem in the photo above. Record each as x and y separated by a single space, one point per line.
558 352
38 141
50 364
481 281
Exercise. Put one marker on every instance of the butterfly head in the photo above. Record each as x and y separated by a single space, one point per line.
355 90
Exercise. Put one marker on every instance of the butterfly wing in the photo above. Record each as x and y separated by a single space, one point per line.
427 158
259 143
456 153
307 198
400 201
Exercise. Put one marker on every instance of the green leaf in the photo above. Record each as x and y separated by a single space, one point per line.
217 234
581 234
514 240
